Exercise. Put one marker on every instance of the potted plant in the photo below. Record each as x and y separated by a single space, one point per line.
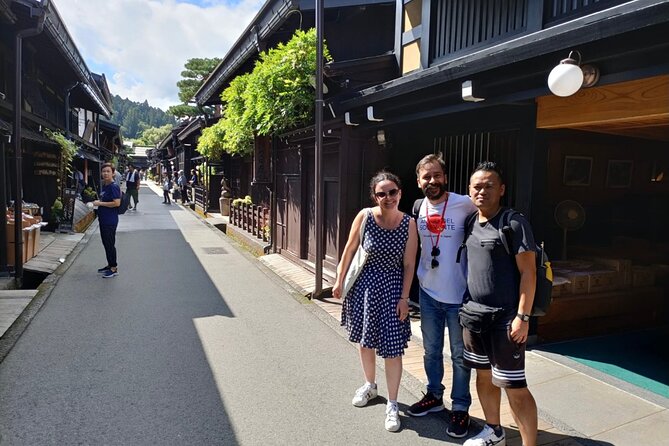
88 194
56 215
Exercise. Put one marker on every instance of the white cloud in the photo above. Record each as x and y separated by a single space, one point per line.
142 45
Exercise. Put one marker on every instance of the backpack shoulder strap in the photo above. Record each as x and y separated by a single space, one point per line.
469 226
505 229
415 211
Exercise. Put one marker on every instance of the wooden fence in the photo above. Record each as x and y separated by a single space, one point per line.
253 219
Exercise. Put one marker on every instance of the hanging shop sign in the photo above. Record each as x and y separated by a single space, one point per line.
46 164
69 199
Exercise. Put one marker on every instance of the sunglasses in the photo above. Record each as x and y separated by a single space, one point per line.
435 253
390 193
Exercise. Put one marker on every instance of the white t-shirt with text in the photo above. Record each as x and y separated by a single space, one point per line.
447 282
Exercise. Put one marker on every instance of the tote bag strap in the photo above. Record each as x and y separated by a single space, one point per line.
363 225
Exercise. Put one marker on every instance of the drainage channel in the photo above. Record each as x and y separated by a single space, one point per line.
32 279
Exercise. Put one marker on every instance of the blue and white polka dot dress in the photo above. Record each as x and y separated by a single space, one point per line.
369 312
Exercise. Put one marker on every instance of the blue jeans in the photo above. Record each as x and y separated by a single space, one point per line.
435 316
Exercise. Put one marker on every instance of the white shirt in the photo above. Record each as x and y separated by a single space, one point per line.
447 282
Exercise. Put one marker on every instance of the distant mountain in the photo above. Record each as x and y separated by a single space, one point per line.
134 117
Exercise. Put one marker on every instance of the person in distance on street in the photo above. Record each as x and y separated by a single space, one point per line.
167 185
182 182
132 181
110 200
507 282
375 310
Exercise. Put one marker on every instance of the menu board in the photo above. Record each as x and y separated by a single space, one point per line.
46 164
69 198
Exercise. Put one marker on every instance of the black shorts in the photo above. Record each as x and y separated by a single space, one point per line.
496 350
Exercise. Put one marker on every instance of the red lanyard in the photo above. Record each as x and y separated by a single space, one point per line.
427 219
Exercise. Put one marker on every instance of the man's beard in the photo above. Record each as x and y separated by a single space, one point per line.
434 192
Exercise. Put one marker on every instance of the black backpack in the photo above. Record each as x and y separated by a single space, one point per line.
544 288
125 201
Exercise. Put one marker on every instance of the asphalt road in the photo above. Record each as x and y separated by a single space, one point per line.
192 344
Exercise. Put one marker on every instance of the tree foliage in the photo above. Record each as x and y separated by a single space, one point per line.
153 135
195 73
135 117
276 96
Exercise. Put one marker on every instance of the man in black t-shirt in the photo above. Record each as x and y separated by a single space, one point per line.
497 279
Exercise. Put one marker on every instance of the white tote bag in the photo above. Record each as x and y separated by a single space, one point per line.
358 260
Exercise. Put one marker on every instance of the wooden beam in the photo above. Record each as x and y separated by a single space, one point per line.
615 105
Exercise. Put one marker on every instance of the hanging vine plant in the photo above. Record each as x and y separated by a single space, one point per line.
68 148
276 96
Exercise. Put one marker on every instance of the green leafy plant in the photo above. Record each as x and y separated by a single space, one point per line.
89 194
276 96
237 202
57 211
68 149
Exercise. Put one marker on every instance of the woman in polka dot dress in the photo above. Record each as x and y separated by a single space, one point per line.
376 309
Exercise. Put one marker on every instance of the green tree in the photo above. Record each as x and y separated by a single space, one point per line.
153 135
197 70
134 117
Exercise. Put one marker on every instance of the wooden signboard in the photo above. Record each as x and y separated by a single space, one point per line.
69 198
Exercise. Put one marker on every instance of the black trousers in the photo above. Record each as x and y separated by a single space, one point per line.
108 234
166 196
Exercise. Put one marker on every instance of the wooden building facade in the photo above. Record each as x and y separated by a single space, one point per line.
58 94
473 86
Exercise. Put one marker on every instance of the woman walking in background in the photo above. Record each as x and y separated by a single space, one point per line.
376 309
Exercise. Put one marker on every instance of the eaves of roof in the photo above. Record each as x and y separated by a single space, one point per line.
106 125
166 140
270 17
192 126
83 142
36 137
57 31
609 22
5 126
6 13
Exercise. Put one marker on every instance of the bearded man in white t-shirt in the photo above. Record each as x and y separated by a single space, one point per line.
440 219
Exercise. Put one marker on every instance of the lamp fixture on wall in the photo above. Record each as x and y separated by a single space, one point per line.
569 76
472 92
381 137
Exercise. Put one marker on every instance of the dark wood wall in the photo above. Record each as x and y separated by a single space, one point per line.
349 159
638 210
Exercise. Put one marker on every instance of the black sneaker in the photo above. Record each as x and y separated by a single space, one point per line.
103 270
458 424
109 274
429 403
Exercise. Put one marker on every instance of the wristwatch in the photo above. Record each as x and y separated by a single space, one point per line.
523 317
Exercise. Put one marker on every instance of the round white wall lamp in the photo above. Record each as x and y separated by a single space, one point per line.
568 77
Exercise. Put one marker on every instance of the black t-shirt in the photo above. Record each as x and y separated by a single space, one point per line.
492 277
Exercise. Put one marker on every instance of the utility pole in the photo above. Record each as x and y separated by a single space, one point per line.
318 148
40 13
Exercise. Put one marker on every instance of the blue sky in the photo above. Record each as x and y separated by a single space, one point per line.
142 45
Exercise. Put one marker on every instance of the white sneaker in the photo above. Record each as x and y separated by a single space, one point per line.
486 437
392 417
364 394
